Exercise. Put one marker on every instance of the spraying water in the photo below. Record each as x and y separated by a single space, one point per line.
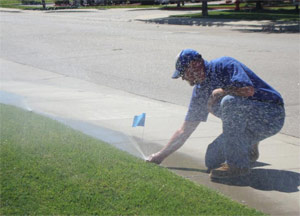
121 141
14 99
136 145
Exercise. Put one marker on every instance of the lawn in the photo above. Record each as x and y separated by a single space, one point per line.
246 14
49 168
280 12
18 5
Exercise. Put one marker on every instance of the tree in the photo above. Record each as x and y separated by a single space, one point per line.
44 4
237 5
204 8
178 3
258 3
76 3
296 3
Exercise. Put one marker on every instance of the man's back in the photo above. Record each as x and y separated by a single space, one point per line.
227 71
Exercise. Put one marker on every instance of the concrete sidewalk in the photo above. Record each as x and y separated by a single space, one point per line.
107 114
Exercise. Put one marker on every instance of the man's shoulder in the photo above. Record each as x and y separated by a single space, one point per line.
222 60
224 63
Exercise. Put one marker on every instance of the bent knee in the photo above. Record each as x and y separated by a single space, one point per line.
229 101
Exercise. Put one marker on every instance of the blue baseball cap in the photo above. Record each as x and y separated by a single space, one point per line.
183 59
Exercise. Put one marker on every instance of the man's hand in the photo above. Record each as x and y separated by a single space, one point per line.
176 141
215 96
219 93
155 158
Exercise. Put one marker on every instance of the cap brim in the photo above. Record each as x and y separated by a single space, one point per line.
176 74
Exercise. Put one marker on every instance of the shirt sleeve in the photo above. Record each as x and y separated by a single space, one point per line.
198 105
238 76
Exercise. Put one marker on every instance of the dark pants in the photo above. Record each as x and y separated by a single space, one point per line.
245 123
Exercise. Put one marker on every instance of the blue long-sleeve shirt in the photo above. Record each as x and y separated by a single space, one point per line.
227 72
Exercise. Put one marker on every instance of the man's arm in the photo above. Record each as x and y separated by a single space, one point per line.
219 93
246 91
176 141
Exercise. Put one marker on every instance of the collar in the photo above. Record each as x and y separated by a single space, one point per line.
207 66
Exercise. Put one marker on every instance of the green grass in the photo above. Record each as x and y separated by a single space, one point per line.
199 6
229 6
267 14
48 168
18 5
121 6
18 2
10 3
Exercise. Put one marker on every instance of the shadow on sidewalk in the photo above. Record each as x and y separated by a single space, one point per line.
271 27
267 180
260 178
188 21
188 169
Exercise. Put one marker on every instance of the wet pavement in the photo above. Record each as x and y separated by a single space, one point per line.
107 114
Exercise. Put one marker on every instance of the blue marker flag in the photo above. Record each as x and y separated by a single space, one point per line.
139 120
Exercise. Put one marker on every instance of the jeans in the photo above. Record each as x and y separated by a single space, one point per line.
245 123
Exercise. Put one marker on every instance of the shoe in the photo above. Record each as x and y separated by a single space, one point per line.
254 153
226 171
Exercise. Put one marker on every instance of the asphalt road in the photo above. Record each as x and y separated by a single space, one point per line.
111 48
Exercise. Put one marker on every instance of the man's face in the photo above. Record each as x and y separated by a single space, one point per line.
195 72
